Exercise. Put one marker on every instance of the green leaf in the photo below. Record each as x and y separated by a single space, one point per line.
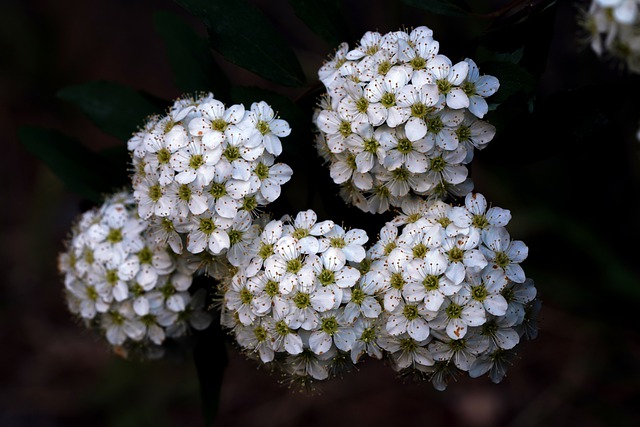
323 18
81 170
116 109
190 57
518 28
513 78
244 36
438 7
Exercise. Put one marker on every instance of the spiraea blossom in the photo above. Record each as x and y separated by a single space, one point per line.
400 119
612 31
118 281
297 302
441 292
204 170
452 288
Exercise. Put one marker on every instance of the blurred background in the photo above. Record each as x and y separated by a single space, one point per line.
575 206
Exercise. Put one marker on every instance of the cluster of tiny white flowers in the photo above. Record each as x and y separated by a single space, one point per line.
454 294
613 27
440 292
298 300
400 119
135 293
202 171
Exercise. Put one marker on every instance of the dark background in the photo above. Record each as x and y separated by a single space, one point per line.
575 207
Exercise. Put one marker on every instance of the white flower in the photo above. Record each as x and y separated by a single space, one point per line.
499 333
416 103
266 128
344 169
285 339
446 167
517 296
264 245
368 44
195 163
477 87
241 232
462 352
306 229
485 286
356 107
152 198
162 232
208 232
427 282
239 298
410 318
304 307
121 323
271 177
187 200
362 303
329 71
270 294
331 331
337 127
418 54
214 121
463 255
386 242
384 90
401 150
476 213
457 313
406 352
495 362
331 272
257 338
505 253
349 242
474 133
366 332
286 263
448 78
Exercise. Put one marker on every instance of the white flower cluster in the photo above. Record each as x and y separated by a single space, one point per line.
455 297
440 292
299 297
613 30
202 170
401 119
118 281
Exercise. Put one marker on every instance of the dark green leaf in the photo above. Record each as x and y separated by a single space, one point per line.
518 28
83 171
438 7
513 78
323 18
116 109
244 36
191 59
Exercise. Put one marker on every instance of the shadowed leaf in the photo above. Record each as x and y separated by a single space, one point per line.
114 108
82 171
194 68
244 36
323 18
